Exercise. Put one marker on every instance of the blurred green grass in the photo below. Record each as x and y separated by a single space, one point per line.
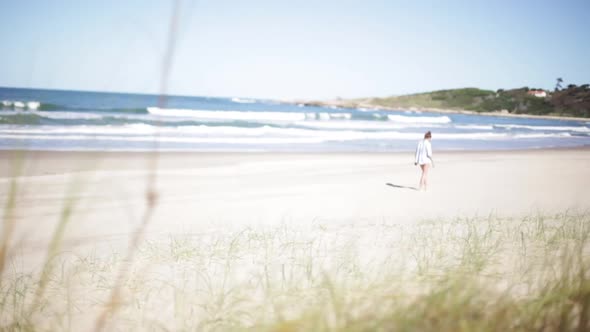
464 274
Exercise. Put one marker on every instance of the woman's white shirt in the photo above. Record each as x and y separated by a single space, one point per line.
423 152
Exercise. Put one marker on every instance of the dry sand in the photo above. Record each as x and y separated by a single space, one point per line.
201 192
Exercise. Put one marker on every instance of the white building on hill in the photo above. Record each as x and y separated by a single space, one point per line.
538 93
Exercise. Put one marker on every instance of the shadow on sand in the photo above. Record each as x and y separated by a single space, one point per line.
400 187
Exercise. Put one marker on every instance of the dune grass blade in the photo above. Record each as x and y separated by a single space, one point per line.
357 277
8 220
151 194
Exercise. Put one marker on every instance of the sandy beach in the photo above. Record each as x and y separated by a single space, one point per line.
198 192
247 239
223 167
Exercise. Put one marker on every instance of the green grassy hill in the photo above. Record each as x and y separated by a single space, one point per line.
572 101
468 98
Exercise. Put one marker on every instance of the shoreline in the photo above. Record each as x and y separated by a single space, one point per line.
31 163
345 105
499 114
316 153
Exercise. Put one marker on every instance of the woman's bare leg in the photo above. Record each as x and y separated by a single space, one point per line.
421 177
424 177
426 171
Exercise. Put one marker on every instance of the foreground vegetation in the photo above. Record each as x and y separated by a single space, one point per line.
466 274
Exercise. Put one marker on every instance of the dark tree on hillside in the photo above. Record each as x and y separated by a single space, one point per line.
558 85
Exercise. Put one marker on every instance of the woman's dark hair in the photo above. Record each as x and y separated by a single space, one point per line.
428 134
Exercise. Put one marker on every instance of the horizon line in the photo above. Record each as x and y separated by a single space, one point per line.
257 98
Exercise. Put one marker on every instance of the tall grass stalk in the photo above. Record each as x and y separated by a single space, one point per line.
353 277
151 194
8 219
56 241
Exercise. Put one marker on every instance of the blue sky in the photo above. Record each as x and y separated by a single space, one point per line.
295 49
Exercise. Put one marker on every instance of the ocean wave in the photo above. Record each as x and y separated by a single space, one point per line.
132 129
52 115
39 106
34 117
290 116
418 119
168 114
556 135
145 129
363 125
475 127
243 100
203 140
228 115
30 105
544 128
19 118
213 133
107 119
329 116
138 110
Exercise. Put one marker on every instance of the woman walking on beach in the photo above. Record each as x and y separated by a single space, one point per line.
424 159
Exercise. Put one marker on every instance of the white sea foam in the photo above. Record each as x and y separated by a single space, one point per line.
556 135
245 115
418 119
69 115
33 105
203 140
240 135
243 100
64 115
329 116
475 127
346 116
55 115
227 115
363 125
145 129
131 129
544 128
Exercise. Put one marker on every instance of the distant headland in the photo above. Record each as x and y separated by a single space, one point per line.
571 102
